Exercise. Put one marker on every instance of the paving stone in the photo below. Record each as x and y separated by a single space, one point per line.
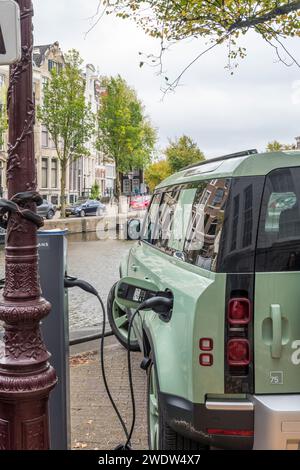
94 422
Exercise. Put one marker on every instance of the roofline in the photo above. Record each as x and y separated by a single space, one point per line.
243 153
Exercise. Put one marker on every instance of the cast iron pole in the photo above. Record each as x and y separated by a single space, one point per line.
26 377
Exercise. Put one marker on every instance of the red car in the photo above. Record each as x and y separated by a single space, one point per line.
139 202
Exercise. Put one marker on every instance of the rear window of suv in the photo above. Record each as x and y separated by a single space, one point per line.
278 242
186 221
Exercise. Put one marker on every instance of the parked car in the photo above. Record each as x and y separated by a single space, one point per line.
85 207
139 202
223 239
47 209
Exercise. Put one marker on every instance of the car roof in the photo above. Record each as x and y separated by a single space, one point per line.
242 164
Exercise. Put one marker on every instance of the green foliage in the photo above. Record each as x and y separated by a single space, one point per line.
66 115
157 172
95 191
276 146
182 152
3 115
125 133
179 154
217 21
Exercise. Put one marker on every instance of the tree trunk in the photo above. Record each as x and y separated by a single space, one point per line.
63 168
118 188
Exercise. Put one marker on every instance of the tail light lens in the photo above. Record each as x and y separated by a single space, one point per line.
231 432
206 360
206 344
238 352
239 311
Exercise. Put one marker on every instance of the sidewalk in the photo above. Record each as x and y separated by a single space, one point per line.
94 422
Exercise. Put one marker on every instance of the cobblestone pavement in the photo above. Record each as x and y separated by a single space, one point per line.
94 423
96 261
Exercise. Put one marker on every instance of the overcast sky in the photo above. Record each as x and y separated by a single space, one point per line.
223 113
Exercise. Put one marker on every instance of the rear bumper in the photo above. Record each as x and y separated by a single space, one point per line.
273 420
277 422
196 420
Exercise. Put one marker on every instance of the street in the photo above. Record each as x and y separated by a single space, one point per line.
96 261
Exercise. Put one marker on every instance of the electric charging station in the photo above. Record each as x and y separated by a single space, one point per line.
55 328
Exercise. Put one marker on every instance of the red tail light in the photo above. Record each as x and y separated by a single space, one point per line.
238 352
206 344
239 311
206 360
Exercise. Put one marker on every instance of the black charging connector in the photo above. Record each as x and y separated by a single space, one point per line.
161 303
71 282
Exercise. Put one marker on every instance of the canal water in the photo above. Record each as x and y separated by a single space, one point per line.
96 261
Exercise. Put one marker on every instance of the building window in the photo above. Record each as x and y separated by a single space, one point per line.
51 65
45 81
44 172
126 186
54 65
218 197
110 171
54 168
45 137
205 197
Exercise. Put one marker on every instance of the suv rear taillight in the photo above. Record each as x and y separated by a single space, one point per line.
238 364
238 352
239 311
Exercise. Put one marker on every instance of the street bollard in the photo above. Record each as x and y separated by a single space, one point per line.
55 329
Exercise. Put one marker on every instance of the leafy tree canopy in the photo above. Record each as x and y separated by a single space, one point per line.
125 133
64 111
276 146
66 115
156 173
182 152
95 190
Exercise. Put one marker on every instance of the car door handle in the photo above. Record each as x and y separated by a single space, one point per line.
276 345
134 268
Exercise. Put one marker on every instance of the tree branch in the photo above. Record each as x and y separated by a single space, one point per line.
256 20
174 84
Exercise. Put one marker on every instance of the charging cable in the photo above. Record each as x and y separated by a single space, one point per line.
162 304
71 282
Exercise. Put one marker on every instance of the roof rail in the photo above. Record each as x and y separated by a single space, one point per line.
244 153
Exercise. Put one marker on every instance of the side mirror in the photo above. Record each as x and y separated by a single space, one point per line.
134 229
131 292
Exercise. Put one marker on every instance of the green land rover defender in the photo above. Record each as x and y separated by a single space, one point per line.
223 238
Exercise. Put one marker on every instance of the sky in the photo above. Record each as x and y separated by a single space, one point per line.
221 112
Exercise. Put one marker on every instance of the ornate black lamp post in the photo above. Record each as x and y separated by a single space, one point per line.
26 377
